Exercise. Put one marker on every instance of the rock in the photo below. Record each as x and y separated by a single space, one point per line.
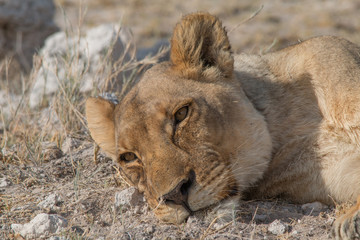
24 25
50 151
84 61
70 144
41 226
149 229
51 201
218 226
313 208
4 182
128 198
277 227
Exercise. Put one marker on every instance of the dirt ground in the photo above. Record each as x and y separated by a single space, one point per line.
87 188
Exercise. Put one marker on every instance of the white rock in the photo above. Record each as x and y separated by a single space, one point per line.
16 227
128 198
41 226
51 201
85 57
277 227
150 229
313 208
4 182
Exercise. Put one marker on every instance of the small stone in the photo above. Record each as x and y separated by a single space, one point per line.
40 226
50 151
150 229
128 198
51 201
313 208
137 210
4 182
277 227
218 226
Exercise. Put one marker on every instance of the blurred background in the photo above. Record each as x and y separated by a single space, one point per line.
24 25
279 23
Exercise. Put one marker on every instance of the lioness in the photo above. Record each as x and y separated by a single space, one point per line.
209 126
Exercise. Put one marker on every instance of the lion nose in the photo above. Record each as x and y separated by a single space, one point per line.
179 195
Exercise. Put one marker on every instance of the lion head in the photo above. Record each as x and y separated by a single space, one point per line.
185 135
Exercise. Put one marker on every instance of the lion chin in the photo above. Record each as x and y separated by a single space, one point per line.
210 127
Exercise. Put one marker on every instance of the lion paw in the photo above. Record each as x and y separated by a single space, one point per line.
347 226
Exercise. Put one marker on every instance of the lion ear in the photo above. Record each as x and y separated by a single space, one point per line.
100 118
200 47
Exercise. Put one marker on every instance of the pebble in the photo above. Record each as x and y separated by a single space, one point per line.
150 229
277 227
41 226
50 201
218 226
128 198
4 182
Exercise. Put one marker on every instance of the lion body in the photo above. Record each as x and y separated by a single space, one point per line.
284 124
309 95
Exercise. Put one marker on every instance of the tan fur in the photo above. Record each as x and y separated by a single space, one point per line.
283 124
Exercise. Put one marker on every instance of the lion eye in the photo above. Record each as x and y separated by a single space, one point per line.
129 156
181 114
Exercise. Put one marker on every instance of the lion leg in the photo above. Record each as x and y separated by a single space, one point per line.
347 226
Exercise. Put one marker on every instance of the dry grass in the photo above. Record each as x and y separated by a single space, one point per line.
23 130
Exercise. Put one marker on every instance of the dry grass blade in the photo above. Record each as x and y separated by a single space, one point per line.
247 19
